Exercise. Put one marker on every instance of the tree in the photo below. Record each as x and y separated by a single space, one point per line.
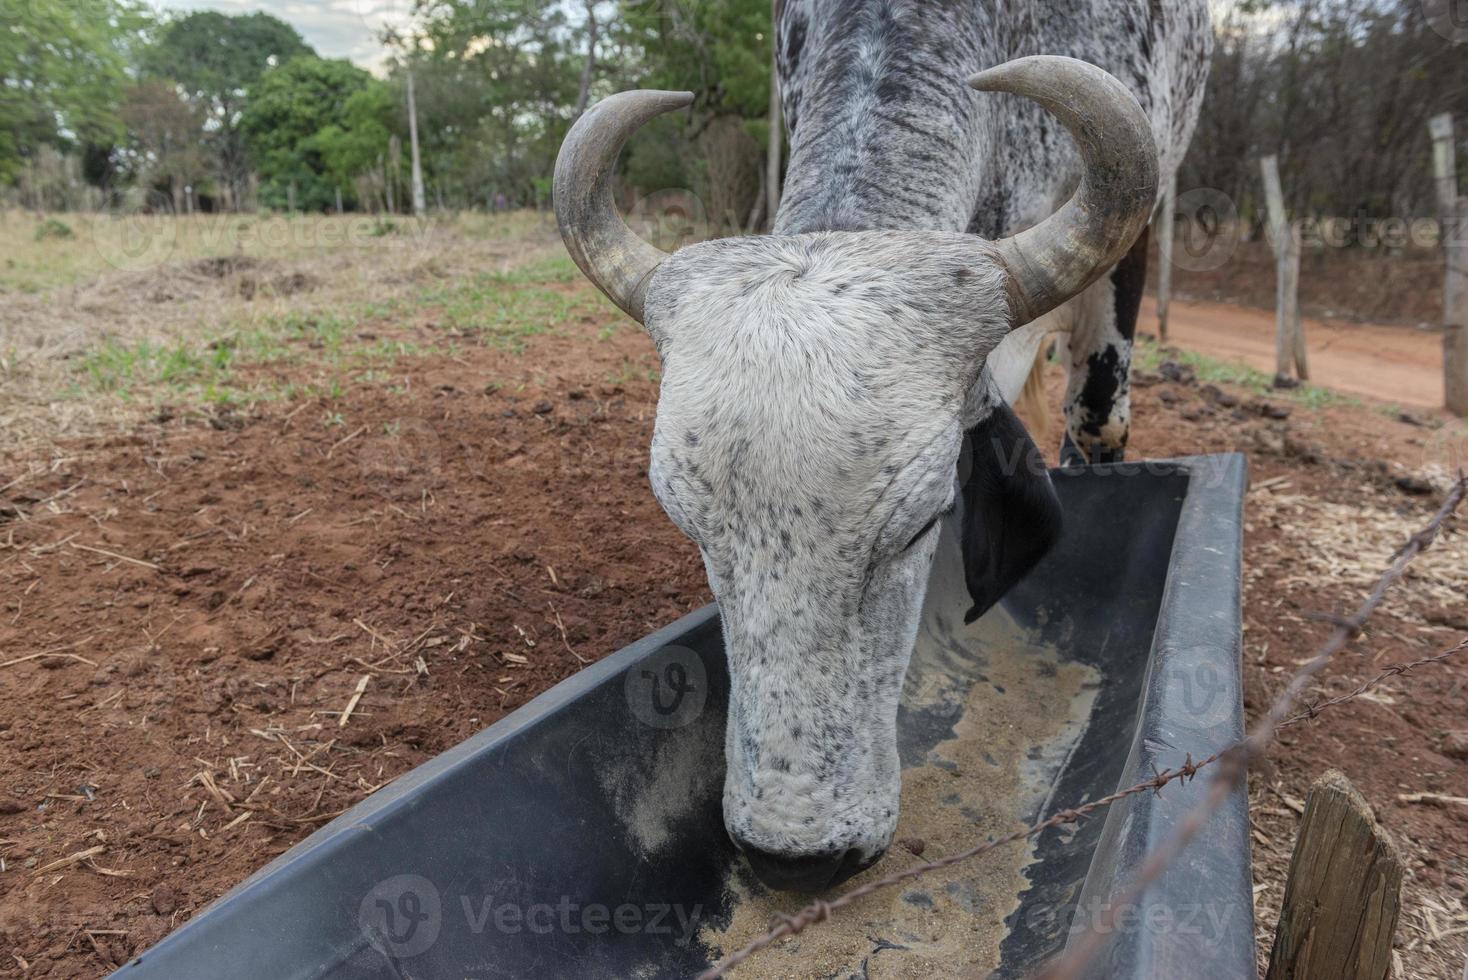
354 145
217 59
62 67
496 84
295 125
1340 91
721 50
166 132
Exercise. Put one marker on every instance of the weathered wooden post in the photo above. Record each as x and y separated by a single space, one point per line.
1167 222
1289 332
1344 891
1453 214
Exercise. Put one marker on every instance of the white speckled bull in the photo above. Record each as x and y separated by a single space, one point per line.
819 383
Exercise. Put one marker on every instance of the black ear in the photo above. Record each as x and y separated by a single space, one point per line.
1011 515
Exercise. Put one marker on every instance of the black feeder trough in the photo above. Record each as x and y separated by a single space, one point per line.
582 835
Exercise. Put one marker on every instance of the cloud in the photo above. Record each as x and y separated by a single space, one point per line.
335 28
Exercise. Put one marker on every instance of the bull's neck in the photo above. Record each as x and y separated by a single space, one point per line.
885 132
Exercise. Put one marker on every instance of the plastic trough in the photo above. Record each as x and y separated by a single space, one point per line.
551 806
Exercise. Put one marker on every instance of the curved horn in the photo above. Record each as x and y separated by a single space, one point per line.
598 239
1065 253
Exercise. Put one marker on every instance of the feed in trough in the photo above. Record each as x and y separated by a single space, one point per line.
1011 734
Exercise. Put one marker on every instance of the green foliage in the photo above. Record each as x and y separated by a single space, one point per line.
211 98
217 57
217 60
1148 355
496 83
297 127
53 228
720 49
352 144
62 66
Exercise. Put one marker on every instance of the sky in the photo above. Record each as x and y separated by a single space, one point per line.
335 28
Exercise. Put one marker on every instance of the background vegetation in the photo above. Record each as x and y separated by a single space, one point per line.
106 104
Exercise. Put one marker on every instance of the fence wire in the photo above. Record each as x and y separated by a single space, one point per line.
1227 767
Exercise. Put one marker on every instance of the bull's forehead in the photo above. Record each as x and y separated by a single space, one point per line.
891 305
814 371
822 335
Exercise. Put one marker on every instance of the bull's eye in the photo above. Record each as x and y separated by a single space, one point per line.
923 533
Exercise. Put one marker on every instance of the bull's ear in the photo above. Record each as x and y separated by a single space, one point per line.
1011 515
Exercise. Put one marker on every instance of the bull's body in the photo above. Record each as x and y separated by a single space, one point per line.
885 135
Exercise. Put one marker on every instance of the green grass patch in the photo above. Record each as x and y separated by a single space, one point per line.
1147 355
499 309
505 308
52 228
118 368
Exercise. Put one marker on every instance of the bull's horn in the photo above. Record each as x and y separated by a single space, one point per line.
1065 253
598 239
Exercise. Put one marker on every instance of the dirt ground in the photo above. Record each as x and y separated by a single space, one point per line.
190 602
1398 365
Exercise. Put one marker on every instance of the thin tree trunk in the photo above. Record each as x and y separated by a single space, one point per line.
588 69
1164 272
772 164
420 205
752 224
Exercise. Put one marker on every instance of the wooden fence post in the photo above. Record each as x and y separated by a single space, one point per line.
1289 332
1453 214
1344 891
1168 219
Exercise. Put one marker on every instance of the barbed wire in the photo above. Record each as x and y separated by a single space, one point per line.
1231 762
1235 760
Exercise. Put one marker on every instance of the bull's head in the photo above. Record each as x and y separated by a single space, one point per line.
815 394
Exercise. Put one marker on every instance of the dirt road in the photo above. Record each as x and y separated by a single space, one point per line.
1401 365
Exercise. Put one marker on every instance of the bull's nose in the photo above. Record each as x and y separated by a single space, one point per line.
806 872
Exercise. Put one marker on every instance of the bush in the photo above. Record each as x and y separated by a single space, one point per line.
51 228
